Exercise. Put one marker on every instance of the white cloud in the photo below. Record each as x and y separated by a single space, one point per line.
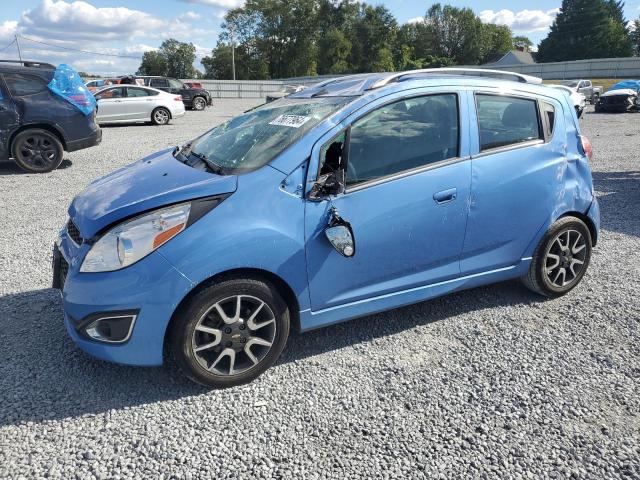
190 16
217 3
522 21
8 29
416 20
82 21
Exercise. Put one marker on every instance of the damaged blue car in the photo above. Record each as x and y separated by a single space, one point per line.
357 195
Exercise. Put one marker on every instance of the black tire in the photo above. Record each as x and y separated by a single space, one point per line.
36 150
199 103
579 111
539 276
160 116
183 333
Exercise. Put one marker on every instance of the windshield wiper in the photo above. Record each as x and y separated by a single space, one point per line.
213 166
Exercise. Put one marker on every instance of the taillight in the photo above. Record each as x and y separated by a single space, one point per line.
177 99
586 147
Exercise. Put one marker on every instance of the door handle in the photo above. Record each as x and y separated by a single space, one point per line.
445 196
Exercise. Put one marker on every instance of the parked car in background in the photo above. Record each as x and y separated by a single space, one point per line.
337 202
622 97
132 103
578 99
585 87
284 91
193 98
38 124
100 83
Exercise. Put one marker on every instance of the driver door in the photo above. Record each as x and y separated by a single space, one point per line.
407 189
111 106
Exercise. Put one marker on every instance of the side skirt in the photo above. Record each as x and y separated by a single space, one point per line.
310 320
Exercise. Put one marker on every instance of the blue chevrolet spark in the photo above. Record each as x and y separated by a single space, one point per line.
352 197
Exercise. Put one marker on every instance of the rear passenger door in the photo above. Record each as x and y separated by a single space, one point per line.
517 165
408 177
139 103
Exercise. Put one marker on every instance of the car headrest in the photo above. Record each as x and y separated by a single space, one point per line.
517 115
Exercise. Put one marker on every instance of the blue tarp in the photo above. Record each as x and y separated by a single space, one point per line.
632 84
67 83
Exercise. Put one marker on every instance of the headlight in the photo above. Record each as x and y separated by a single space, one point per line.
135 239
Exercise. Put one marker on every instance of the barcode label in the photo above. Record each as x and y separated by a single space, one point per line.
293 121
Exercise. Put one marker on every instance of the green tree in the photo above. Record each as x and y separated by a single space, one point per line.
635 37
179 57
153 63
586 29
457 33
496 39
372 36
334 49
523 43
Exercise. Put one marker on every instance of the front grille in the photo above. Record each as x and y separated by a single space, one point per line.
64 269
73 232
615 100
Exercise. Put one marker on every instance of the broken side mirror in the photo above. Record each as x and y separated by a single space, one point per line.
328 185
340 235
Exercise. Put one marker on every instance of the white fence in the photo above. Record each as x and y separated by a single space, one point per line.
596 68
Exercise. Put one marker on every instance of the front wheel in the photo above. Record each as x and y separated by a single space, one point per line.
561 259
230 333
36 150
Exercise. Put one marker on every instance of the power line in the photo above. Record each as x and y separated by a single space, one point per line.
3 49
79 50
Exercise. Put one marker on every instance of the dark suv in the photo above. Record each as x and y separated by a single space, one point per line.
36 125
194 98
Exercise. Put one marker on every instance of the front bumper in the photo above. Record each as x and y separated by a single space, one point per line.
152 288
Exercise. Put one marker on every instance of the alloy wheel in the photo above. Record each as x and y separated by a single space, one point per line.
234 335
565 258
198 103
37 151
161 116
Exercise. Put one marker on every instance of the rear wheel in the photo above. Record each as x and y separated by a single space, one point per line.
199 103
36 150
160 116
230 333
561 260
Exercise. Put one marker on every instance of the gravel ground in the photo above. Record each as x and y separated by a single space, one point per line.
489 383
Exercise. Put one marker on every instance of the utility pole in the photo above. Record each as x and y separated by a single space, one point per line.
18 45
233 53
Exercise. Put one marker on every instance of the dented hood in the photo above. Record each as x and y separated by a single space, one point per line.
150 183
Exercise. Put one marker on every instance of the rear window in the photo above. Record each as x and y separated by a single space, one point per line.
20 84
505 121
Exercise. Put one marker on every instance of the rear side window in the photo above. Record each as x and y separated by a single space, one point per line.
20 84
549 113
159 82
137 92
506 121
401 136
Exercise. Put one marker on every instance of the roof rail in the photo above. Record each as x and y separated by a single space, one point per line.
477 72
29 63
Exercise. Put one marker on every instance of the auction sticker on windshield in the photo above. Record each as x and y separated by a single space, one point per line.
293 121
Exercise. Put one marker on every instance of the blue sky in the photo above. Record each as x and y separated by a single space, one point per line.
130 27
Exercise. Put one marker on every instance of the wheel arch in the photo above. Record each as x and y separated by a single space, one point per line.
587 221
42 126
282 287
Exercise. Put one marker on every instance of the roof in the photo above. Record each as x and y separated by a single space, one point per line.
357 85
514 57
27 66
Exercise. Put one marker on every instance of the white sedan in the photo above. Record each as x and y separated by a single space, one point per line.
132 103
578 99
